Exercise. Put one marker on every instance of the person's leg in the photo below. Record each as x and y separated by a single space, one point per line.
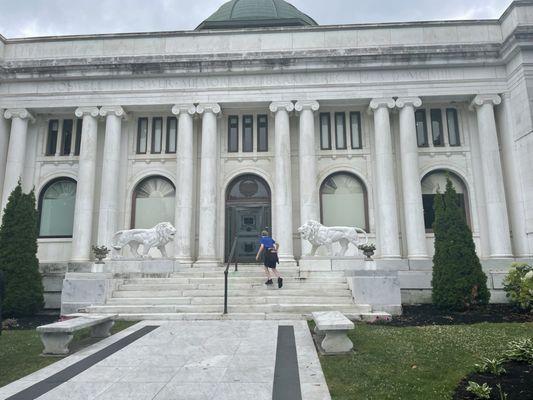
278 275
267 274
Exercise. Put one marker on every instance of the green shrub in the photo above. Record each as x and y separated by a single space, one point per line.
520 350
518 285
18 256
491 366
480 391
458 280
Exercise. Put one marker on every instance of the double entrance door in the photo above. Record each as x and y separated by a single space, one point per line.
245 222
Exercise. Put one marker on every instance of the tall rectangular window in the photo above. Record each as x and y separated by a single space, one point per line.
157 135
172 134
142 135
66 137
262 133
421 128
436 127
325 131
340 130
453 127
233 133
51 141
355 130
248 133
77 146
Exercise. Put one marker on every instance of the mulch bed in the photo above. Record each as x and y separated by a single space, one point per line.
429 315
517 383
33 322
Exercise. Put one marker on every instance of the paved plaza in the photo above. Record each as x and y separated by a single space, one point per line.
192 360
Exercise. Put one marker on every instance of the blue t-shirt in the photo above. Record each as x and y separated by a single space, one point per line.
267 241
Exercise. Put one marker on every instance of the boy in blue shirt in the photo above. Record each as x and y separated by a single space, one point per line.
270 259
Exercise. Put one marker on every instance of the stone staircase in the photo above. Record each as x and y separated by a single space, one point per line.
198 293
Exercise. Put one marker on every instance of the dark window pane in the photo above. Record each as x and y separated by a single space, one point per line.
453 127
142 135
355 124
247 133
262 133
340 130
325 131
51 141
436 127
421 128
172 134
157 135
66 137
233 133
428 202
79 126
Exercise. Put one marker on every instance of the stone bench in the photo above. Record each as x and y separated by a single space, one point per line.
56 337
333 326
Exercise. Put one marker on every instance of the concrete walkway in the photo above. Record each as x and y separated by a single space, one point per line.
190 360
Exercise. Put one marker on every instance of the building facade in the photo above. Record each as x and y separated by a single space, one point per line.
262 118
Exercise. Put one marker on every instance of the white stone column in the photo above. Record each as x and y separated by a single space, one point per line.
108 214
16 153
498 221
207 246
385 183
309 202
185 179
513 186
413 209
83 211
282 229
4 143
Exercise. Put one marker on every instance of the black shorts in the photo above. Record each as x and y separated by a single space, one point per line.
270 259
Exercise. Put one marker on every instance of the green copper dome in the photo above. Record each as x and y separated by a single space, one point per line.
256 14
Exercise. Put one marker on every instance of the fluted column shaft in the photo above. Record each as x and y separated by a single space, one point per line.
208 184
16 153
108 215
282 229
83 211
309 202
413 208
499 234
4 143
389 244
185 179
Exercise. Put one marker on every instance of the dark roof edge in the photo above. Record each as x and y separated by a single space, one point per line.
257 23
3 39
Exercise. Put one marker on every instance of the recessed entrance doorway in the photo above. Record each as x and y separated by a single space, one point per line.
248 212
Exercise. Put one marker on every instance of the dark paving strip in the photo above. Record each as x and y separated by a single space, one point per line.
63 376
286 375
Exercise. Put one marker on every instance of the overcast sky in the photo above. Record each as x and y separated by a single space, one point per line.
24 18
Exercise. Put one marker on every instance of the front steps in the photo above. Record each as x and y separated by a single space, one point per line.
198 293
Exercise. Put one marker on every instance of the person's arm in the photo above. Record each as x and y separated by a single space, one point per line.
276 246
259 252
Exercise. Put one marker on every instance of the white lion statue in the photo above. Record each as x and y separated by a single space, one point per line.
157 236
319 235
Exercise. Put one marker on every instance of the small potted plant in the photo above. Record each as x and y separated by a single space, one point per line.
368 250
100 252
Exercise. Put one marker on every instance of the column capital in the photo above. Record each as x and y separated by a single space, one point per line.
307 105
83 111
208 108
482 99
402 102
20 113
378 103
118 111
276 106
184 108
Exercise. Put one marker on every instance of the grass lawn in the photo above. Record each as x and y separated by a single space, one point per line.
20 352
411 363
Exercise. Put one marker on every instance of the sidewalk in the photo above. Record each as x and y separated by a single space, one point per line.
190 360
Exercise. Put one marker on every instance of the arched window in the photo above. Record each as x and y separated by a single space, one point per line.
153 202
435 182
56 208
343 201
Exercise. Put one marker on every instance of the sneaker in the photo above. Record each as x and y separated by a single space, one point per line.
280 283
269 282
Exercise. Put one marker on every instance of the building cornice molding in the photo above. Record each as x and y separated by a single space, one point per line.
83 111
276 106
213 108
20 113
178 109
402 102
311 105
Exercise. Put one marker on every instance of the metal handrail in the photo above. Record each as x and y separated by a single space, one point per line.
226 272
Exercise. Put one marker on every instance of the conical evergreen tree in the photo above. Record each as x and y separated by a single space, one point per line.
18 256
458 280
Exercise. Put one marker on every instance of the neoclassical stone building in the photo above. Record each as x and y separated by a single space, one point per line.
263 118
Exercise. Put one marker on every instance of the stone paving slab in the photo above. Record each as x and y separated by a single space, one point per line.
190 360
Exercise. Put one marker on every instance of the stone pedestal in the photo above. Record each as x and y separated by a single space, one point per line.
380 289
81 290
